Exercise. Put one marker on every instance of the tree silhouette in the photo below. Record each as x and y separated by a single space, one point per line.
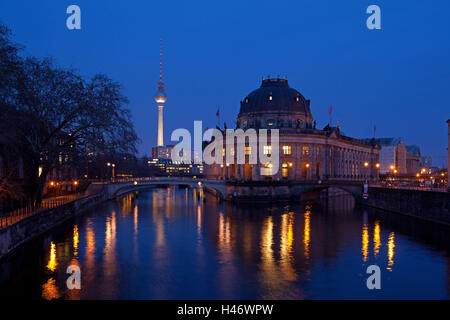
53 116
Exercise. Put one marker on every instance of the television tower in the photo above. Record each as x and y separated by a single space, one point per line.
160 98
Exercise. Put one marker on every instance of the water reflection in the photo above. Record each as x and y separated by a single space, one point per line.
76 240
50 290
52 263
169 243
376 239
391 246
306 232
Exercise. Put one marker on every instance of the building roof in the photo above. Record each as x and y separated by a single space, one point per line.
386 141
275 96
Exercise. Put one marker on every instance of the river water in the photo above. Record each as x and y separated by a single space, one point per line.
168 244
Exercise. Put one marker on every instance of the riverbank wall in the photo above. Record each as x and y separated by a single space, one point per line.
427 205
32 226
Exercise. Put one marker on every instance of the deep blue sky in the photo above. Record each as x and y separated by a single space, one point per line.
215 53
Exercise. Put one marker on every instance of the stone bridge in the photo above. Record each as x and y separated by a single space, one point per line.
117 189
232 190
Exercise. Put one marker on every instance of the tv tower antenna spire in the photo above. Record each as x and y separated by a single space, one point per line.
160 98
160 59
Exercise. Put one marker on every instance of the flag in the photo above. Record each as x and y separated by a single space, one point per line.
330 110
218 112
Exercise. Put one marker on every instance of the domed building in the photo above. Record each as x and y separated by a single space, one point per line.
305 152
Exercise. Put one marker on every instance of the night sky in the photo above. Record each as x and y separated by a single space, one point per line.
216 52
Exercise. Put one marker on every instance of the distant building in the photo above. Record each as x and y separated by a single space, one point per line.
167 167
393 156
412 160
163 152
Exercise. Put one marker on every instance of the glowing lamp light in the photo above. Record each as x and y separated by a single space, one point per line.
392 167
366 164
75 183
395 171
417 175
52 183
377 165
290 164
307 165
135 183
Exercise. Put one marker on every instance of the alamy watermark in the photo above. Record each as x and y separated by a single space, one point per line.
227 147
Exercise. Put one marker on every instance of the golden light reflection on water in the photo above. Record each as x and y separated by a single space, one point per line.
224 236
286 247
50 290
269 276
135 219
158 220
376 239
365 242
391 246
287 235
110 264
307 233
267 241
90 248
76 240
52 263
199 220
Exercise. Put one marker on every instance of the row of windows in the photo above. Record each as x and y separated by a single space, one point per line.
279 123
287 150
270 97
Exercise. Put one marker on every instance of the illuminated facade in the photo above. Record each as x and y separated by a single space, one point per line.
306 153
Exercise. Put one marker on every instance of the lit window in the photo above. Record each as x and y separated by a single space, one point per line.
270 122
266 169
270 96
267 149
248 150
297 99
305 151
287 150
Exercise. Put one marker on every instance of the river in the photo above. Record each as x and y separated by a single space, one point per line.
170 244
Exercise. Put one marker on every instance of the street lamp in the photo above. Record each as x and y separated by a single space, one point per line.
112 165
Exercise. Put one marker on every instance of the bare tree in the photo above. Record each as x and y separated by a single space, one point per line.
53 115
